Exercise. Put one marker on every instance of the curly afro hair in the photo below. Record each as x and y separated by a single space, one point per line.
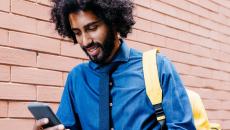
115 13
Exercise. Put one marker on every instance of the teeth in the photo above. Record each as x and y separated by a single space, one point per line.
92 48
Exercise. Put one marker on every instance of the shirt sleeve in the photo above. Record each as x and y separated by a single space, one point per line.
175 102
66 112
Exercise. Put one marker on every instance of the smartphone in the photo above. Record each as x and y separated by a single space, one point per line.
42 110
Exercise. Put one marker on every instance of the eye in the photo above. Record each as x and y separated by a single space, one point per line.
77 33
92 27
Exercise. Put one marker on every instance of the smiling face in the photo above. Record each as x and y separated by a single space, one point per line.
97 40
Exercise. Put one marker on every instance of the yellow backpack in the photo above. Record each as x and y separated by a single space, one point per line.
154 92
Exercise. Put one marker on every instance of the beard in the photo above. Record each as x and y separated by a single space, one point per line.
106 49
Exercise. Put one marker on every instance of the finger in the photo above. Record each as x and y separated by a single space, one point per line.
57 127
42 122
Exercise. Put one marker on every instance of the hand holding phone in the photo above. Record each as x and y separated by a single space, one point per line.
41 111
40 123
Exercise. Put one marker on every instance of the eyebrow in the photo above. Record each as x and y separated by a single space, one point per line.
87 25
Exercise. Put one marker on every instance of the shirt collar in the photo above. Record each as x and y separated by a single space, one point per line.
121 56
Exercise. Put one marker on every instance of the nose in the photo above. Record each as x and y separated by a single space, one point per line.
86 39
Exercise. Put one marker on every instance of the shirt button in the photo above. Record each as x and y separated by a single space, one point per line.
112 128
110 104
110 83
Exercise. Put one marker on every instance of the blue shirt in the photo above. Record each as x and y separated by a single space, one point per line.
132 109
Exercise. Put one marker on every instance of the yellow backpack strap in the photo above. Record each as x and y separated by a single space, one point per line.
152 83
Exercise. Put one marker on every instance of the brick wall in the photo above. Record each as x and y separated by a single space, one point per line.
34 60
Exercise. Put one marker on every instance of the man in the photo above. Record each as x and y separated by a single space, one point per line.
97 25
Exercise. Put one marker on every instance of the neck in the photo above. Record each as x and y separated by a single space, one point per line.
116 47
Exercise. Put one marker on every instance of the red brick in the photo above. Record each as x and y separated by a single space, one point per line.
182 68
189 37
192 81
214 64
214 84
208 23
199 30
212 104
5 5
4 23
228 21
45 2
220 75
215 54
36 76
136 45
30 9
220 55
16 22
4 73
183 36
177 45
207 4
212 94
187 16
4 109
224 11
47 29
146 37
217 104
225 125
158 17
199 50
176 23
219 114
225 85
165 30
72 50
223 66
143 12
4 37
142 24
11 91
17 56
34 42
228 39
149 14
19 110
217 36
223 28
178 3
198 40
145 3
209 43
181 57
56 62
14 124
162 7
224 3
219 18
49 94
224 47
201 72
200 11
